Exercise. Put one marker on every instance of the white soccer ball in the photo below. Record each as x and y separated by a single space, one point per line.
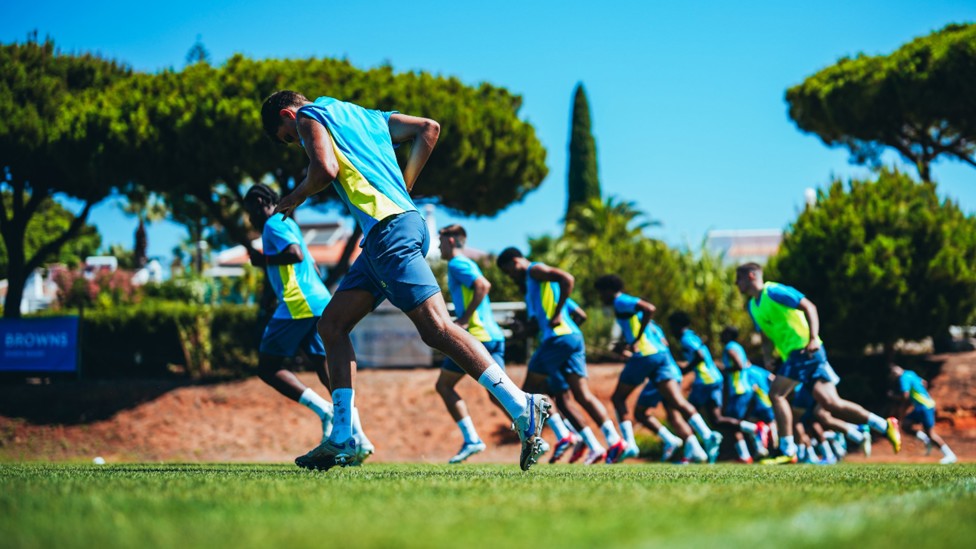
99 460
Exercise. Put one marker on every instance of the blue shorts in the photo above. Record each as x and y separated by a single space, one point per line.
640 368
737 406
761 411
920 414
392 265
803 405
808 368
664 369
706 396
495 348
285 336
558 356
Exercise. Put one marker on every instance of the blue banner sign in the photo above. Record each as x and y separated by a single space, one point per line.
39 344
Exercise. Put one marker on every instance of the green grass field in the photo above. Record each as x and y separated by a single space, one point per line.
238 506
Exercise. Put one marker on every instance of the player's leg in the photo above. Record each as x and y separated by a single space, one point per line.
779 392
351 302
447 380
284 338
395 249
647 400
440 332
673 398
928 427
619 401
825 393
598 412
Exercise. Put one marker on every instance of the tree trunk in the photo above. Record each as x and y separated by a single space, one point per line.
141 245
16 279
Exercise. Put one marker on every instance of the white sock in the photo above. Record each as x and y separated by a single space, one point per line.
468 431
698 424
668 436
828 452
946 451
342 406
742 449
878 423
801 452
590 439
558 426
787 446
855 434
501 387
627 428
920 435
314 402
693 448
610 432
747 427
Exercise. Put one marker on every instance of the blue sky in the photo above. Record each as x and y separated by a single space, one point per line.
686 98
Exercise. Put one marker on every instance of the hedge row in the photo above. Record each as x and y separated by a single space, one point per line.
159 338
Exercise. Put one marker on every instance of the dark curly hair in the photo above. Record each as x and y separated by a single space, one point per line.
270 117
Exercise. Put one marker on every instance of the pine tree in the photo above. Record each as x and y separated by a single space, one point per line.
584 184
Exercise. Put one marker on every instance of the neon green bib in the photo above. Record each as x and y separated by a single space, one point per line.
787 328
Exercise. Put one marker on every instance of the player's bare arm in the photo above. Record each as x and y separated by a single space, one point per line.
424 133
738 362
545 273
479 289
323 167
289 256
813 319
648 309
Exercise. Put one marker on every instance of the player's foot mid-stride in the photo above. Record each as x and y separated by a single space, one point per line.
353 147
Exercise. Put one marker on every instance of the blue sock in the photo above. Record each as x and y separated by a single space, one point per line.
558 426
468 431
342 404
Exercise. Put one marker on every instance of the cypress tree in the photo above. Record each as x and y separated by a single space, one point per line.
583 182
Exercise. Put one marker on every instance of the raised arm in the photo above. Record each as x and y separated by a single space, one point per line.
424 133
290 255
647 309
813 319
479 289
323 167
545 273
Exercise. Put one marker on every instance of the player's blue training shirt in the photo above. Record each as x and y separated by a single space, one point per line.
706 373
301 293
370 182
461 274
629 319
910 383
541 299
739 381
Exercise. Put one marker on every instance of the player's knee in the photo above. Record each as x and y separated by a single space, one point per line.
435 333
332 330
444 388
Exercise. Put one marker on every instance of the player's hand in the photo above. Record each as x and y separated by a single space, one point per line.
556 320
289 203
257 258
632 347
812 347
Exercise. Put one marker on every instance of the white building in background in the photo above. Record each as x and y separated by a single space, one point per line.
745 245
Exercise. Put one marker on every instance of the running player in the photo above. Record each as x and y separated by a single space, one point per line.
739 394
301 297
652 361
916 408
789 322
561 350
472 309
706 391
353 147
